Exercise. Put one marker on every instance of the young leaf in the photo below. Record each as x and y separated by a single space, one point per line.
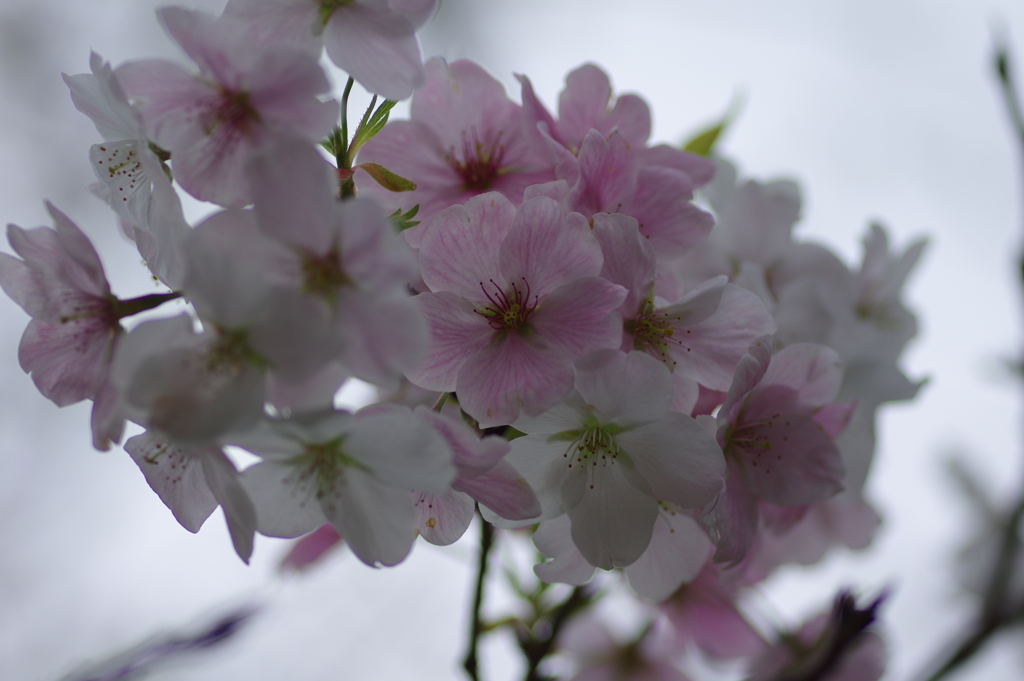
404 221
387 179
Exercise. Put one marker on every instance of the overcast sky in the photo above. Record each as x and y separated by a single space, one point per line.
880 110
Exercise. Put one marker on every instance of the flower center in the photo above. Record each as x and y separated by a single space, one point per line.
654 332
508 310
591 443
479 165
233 114
327 8
323 275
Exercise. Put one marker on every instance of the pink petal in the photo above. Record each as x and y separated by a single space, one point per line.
376 519
789 460
456 333
227 489
553 539
513 373
176 475
460 250
548 247
698 169
583 102
580 317
470 454
294 190
628 258
735 519
679 549
608 174
310 549
628 389
164 91
814 371
834 417
284 86
68 361
503 490
662 205
707 347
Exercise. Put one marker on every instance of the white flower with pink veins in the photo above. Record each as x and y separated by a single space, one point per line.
612 451
243 95
354 472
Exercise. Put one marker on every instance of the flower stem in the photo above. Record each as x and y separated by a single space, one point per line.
536 649
471 662
347 189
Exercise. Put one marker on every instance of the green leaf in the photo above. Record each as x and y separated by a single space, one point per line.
387 179
703 143
404 221
370 125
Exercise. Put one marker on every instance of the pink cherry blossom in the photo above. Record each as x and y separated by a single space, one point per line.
243 95
69 344
463 138
777 430
514 299
701 337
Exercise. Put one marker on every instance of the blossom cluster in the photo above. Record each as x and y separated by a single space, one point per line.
623 343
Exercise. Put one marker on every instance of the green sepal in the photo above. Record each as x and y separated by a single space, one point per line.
387 179
403 221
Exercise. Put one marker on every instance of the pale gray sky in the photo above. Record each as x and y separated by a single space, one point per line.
879 109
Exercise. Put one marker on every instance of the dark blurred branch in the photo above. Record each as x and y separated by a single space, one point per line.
539 641
471 663
1000 607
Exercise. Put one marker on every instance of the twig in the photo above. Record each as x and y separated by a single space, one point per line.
471 663
536 649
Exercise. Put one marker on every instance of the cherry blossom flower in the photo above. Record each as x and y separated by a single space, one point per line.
69 344
242 95
124 180
777 428
354 472
188 387
192 481
522 303
611 452
464 138
701 337
343 257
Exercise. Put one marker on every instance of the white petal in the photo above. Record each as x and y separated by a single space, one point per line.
176 476
679 549
568 566
284 497
376 519
613 523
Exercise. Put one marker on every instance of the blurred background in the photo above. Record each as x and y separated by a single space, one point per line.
881 110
